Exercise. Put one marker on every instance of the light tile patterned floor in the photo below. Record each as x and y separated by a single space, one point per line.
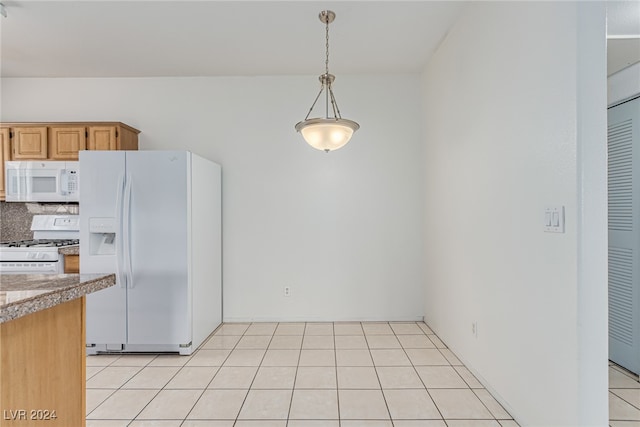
296 375
624 397
370 374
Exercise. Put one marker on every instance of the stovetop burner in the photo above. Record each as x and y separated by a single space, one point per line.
41 243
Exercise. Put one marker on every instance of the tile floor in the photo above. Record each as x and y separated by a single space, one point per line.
624 397
368 374
371 374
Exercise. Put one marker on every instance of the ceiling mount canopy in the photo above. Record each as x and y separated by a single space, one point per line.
327 133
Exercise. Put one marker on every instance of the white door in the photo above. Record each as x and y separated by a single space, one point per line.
624 234
158 215
101 191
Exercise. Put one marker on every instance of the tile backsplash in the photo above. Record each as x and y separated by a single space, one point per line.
15 218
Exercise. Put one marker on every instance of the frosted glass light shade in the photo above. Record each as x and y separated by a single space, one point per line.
327 134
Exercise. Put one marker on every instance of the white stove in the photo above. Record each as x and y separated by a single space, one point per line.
40 255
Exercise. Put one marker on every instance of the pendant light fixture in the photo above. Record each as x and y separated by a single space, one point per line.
329 132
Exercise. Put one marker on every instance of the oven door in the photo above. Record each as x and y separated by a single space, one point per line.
30 267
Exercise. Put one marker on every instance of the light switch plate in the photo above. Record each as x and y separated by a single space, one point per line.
553 219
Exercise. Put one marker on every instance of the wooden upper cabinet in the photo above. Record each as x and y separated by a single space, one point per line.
127 138
117 137
63 141
29 143
5 154
102 138
66 141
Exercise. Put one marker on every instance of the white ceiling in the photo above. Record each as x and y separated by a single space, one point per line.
204 38
92 38
623 33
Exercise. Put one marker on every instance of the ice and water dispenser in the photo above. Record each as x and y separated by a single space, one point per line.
102 236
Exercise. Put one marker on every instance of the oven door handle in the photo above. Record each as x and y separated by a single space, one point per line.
126 217
120 277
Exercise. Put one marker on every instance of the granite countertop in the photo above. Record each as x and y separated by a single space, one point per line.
69 250
22 294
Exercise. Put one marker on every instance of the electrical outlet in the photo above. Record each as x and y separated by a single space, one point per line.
287 291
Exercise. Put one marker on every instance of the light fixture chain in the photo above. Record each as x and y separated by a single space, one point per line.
326 62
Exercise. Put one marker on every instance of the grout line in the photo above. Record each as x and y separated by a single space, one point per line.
384 397
102 368
295 377
257 370
420 378
145 406
623 399
483 404
622 370
120 387
217 371
101 402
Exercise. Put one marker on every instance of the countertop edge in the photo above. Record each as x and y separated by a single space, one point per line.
69 250
86 285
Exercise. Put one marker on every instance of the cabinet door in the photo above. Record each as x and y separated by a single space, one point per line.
5 153
65 142
29 143
71 264
126 139
102 138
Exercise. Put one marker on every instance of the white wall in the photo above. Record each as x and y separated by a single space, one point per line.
507 127
343 229
624 84
592 225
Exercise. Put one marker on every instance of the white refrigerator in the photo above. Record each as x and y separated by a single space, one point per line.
154 219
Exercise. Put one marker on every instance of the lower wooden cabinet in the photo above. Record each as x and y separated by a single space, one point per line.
42 371
71 264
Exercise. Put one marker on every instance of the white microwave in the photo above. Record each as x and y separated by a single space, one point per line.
41 181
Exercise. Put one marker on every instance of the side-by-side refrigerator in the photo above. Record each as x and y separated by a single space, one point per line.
154 219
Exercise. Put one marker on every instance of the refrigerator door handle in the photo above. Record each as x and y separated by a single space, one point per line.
126 219
120 276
